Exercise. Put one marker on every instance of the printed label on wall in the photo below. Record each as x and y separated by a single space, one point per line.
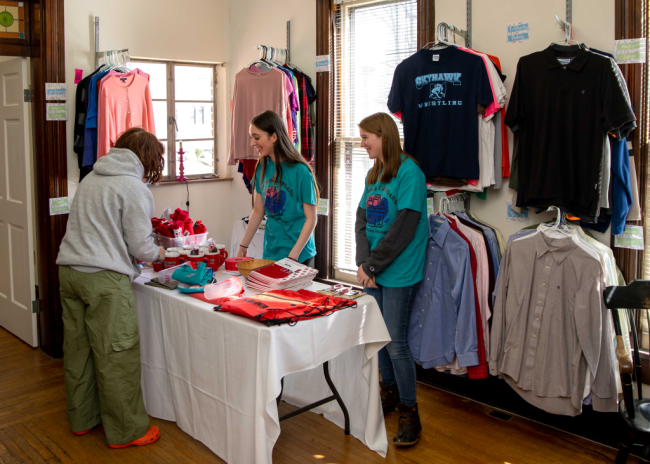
59 206
518 32
513 216
632 238
56 92
322 63
323 206
430 206
630 51
57 111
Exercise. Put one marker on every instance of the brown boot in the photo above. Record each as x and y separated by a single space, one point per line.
409 425
389 398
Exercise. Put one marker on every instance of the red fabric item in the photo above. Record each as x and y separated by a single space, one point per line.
505 153
480 371
249 168
165 230
180 215
199 228
286 306
188 226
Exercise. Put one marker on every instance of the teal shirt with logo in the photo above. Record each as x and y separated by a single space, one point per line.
382 201
283 207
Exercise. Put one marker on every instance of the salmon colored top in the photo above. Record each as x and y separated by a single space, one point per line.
124 102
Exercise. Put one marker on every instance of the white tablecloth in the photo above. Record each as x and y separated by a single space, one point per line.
218 375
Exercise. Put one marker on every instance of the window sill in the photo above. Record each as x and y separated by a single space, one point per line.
191 181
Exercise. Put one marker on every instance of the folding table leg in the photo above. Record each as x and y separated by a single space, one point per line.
339 400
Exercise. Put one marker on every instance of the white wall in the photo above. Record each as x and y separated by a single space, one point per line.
261 22
593 22
192 30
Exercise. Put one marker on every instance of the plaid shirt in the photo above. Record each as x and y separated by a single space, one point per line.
307 135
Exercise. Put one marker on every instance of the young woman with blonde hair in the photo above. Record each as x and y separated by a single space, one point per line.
391 235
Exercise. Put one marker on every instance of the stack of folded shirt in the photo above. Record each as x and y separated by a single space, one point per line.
283 274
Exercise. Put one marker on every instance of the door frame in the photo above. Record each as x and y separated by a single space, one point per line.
46 49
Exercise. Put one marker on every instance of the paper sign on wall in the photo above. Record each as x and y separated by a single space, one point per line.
518 32
430 206
56 92
630 51
632 238
513 216
323 206
59 206
57 111
322 63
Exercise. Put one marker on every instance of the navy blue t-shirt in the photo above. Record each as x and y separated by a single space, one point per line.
437 92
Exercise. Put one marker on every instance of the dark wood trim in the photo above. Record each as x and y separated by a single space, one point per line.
50 165
426 22
15 50
628 25
324 137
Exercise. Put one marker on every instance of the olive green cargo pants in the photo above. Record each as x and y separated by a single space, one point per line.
101 355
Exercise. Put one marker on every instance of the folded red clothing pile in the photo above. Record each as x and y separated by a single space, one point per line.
180 225
285 306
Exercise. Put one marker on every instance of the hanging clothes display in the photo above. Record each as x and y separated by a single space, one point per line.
552 338
449 101
565 100
449 328
268 85
109 101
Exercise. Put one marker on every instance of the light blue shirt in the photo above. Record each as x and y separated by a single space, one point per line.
443 319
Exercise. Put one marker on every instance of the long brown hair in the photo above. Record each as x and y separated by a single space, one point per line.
283 149
382 125
147 148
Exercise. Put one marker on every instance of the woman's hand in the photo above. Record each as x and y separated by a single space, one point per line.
364 280
241 252
161 253
294 255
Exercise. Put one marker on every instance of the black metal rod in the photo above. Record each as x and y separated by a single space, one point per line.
339 400
637 357
279 398
335 396
291 414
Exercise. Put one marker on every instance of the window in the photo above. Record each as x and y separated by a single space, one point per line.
371 39
184 100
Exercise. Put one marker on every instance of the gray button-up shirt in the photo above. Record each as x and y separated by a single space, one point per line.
552 337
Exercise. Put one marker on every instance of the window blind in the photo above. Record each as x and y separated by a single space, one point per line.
371 39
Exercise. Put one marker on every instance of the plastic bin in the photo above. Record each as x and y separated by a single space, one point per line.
167 242
165 276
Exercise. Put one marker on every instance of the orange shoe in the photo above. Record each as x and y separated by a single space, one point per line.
86 431
152 436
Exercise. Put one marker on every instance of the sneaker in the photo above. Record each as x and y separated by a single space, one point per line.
151 437
389 398
409 425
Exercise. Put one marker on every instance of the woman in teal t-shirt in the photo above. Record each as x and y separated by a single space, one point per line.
391 235
285 190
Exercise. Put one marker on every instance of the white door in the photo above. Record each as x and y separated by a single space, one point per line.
16 223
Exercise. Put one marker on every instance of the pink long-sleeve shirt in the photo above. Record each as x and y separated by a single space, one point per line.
124 102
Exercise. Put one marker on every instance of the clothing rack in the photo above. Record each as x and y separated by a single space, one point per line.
444 27
456 202
109 53
284 53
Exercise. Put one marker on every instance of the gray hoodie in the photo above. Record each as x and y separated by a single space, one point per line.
110 218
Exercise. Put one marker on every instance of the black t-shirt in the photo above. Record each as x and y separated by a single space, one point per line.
563 103
437 92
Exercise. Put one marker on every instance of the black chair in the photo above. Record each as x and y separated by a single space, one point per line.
635 412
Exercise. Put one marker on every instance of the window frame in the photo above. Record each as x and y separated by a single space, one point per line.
324 142
170 137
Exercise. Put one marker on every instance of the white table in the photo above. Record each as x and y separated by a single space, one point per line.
218 375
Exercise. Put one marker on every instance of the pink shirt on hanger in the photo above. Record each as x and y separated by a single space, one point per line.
124 102
494 106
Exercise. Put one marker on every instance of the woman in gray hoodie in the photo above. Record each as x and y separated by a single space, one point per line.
108 229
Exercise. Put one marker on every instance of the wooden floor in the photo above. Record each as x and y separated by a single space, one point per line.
34 428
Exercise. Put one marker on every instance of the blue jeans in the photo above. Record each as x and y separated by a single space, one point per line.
395 359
